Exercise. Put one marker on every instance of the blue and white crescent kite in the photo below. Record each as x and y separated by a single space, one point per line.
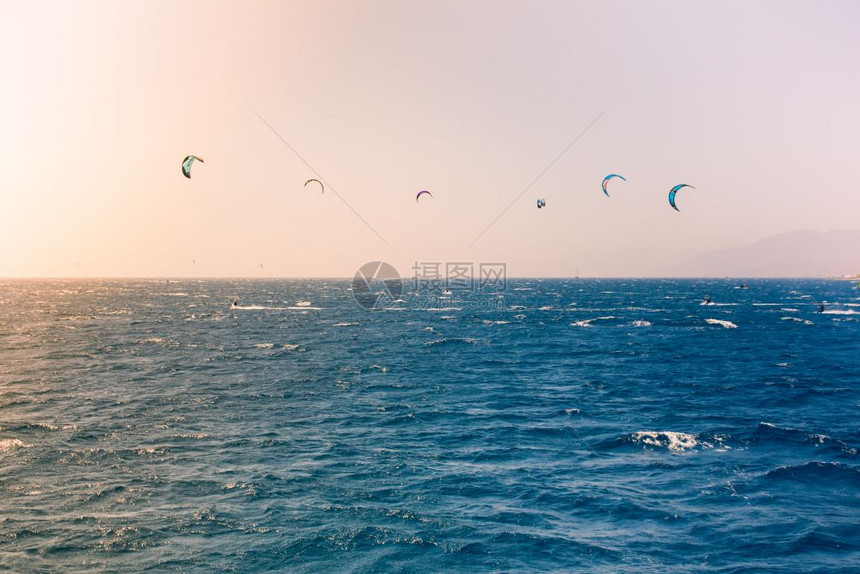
675 190
606 181
186 164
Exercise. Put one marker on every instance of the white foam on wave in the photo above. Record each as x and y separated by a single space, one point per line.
641 323
305 308
789 309
798 320
303 303
587 322
264 345
726 324
345 324
545 308
9 444
840 312
672 440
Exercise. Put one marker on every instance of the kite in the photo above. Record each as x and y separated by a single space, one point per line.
422 192
322 187
606 181
186 164
675 190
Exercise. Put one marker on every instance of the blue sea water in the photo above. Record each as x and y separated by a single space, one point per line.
580 425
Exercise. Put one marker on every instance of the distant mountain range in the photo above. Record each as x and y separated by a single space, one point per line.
793 254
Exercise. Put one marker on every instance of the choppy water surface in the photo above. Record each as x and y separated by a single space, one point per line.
600 425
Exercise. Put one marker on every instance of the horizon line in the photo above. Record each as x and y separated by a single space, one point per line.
169 278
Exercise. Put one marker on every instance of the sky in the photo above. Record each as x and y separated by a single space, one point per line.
753 103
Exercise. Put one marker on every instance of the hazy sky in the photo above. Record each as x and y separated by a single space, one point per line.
757 104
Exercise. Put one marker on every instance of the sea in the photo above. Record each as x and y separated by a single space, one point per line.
553 425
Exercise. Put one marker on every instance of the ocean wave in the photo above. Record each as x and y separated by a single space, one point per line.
455 341
10 444
726 324
769 432
817 472
798 320
588 322
672 441
641 323
25 426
